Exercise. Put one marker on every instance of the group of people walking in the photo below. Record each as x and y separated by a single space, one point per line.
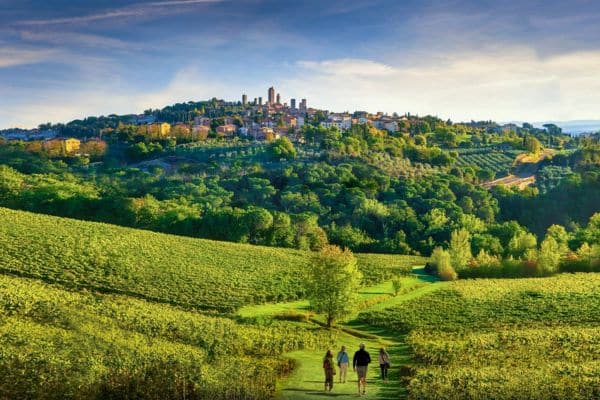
360 365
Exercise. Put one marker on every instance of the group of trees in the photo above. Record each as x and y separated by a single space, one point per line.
558 251
365 189
354 200
93 150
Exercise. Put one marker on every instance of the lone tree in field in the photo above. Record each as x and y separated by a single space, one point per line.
333 283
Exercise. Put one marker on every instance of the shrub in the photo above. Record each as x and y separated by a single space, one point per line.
396 285
441 262
447 273
292 315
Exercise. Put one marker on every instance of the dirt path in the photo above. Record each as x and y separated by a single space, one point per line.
524 174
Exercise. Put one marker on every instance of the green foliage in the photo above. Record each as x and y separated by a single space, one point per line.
333 283
381 267
191 273
460 249
532 144
396 285
550 255
560 235
502 339
572 200
489 163
442 263
283 148
521 243
57 343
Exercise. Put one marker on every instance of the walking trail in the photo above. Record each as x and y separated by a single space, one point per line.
306 382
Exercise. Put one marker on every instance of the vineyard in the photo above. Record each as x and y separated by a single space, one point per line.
192 273
503 339
58 344
498 161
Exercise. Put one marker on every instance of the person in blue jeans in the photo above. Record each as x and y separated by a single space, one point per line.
343 360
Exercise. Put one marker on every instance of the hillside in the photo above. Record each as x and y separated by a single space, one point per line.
193 273
58 344
502 339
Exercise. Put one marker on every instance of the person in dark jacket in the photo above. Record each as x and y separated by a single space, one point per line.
360 364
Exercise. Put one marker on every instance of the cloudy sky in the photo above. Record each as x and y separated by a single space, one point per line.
460 59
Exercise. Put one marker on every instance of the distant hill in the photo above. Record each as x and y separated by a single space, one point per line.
574 127
188 272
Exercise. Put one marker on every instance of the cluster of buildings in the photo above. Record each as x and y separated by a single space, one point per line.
49 142
280 118
257 118
262 119
28 134
274 103
46 139
345 121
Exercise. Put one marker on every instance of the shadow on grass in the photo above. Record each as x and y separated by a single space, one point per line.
424 276
377 293
315 392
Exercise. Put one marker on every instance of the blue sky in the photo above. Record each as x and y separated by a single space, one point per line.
461 59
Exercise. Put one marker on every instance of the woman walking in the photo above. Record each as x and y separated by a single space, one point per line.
384 364
329 369
343 361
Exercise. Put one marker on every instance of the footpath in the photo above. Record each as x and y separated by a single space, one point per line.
306 382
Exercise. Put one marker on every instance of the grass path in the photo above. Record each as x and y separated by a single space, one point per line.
306 382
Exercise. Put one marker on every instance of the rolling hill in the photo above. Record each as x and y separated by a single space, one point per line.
192 273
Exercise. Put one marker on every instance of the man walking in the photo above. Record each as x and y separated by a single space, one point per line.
360 364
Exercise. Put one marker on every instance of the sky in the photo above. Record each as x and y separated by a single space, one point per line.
524 60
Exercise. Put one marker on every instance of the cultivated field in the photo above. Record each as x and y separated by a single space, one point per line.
499 162
57 344
192 273
503 339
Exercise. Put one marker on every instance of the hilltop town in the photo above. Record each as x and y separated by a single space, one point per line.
262 120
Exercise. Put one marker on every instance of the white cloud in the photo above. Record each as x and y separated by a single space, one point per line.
512 83
10 57
66 38
135 10
348 67
104 94
187 84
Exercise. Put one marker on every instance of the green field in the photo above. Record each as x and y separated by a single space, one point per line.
192 273
498 161
503 339
90 310
57 344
